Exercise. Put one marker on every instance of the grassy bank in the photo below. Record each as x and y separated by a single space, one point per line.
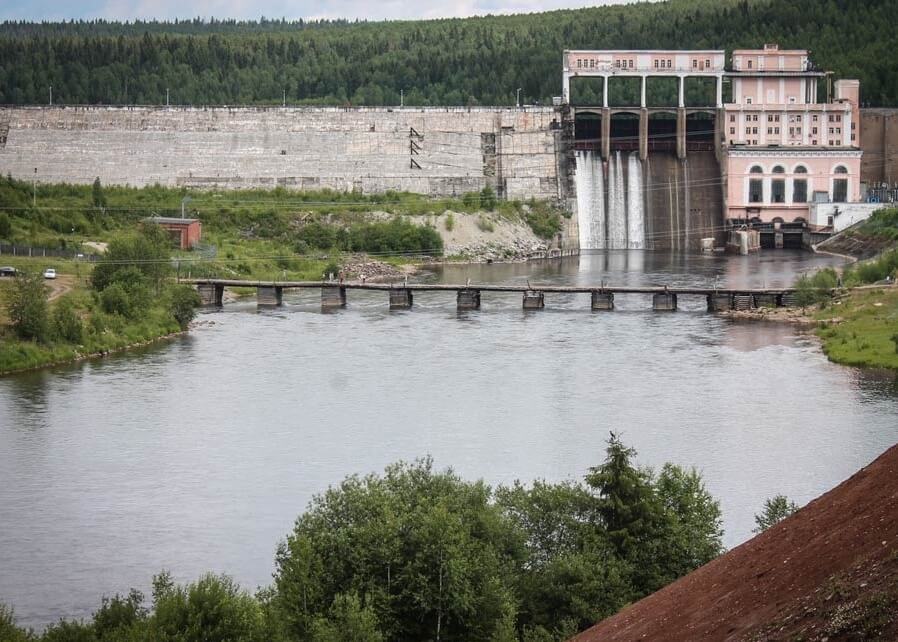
862 328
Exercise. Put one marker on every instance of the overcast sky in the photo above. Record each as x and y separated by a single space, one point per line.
252 9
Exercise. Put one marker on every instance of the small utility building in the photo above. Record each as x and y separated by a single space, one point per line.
185 232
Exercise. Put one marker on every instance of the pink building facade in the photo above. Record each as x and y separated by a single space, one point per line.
784 149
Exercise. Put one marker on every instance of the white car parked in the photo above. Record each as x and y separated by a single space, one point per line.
50 273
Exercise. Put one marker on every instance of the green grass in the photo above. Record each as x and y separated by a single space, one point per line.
865 336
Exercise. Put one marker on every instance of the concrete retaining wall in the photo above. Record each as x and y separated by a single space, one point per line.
434 151
879 140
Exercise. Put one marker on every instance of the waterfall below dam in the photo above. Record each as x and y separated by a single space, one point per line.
662 203
611 217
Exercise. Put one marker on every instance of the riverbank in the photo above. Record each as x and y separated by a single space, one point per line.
859 328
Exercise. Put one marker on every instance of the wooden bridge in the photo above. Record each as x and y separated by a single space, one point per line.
401 295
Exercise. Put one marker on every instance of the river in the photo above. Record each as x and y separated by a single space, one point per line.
198 454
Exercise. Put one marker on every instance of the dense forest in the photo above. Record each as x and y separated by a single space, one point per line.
473 61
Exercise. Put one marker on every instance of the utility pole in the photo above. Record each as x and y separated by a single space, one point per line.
166 97
518 98
402 97
34 189
51 95
285 98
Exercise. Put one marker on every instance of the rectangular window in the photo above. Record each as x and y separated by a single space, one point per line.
838 118
791 131
814 130
669 66
776 118
798 130
732 130
778 190
694 63
756 190
776 130
754 130
749 64
815 118
798 118
769 118
656 64
748 101
755 118
579 63
852 137
814 142
631 64
732 118
838 130
748 130
800 191
840 190
830 118
830 130
769 131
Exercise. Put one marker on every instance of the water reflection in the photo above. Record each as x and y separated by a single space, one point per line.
198 453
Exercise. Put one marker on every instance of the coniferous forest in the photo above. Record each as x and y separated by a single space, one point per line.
473 61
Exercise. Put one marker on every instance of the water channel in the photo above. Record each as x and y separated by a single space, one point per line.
199 453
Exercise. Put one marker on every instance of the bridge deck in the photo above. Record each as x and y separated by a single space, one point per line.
446 287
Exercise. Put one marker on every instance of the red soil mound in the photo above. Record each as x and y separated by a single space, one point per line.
829 572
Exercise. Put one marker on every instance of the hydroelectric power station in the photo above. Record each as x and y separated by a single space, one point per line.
647 149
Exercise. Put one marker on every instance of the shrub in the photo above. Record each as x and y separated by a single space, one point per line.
318 235
397 236
817 288
488 200
184 302
66 322
115 300
485 225
27 303
449 222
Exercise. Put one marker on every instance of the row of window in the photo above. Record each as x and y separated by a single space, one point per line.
800 169
793 118
799 190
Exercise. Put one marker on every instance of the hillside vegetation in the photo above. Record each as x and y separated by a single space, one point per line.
441 62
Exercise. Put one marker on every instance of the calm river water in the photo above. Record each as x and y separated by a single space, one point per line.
198 454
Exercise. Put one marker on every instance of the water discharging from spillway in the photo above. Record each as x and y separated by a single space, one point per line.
612 217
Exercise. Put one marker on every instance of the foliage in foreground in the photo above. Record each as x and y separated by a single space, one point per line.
418 554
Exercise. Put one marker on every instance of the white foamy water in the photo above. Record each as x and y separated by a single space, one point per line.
617 204
590 185
635 204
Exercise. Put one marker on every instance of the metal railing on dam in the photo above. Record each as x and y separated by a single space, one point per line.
468 295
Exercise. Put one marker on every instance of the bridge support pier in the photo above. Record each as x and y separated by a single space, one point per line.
333 296
400 298
664 302
765 300
602 300
788 300
269 295
468 299
210 294
718 302
534 300
778 240
743 302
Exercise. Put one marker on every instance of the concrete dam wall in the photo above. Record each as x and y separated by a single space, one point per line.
433 151
660 203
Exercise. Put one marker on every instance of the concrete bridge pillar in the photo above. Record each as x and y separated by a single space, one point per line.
681 133
210 294
602 300
468 299
643 133
664 302
606 133
333 296
400 298
534 300
269 295
743 302
765 300
719 302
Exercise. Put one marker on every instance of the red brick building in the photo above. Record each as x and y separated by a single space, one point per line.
185 232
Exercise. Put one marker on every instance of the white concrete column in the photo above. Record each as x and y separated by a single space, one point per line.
566 88
681 82
642 95
846 129
605 91
719 86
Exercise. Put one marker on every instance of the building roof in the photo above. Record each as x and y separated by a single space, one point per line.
171 220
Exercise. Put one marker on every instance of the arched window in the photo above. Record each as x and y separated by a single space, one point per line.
756 186
840 184
778 186
800 186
